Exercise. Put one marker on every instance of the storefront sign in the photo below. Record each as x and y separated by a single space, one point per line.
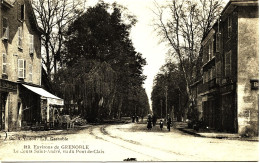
8 86
254 84
53 101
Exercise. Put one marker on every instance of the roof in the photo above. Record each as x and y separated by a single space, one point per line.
33 17
231 5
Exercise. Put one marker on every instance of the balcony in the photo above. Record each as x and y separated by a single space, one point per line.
208 87
213 83
203 88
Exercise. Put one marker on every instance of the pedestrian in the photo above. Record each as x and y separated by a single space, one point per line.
169 122
137 119
161 124
133 119
149 122
154 120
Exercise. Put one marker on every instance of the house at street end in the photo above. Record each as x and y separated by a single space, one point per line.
23 102
228 92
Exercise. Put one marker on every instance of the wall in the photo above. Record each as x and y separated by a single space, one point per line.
10 48
248 65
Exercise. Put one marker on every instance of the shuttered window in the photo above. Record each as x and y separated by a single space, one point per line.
20 37
228 64
31 45
4 63
30 72
218 72
218 42
21 68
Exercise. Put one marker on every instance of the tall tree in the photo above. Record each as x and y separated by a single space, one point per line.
169 82
53 17
103 62
182 25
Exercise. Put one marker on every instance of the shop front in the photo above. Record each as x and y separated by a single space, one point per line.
49 107
7 89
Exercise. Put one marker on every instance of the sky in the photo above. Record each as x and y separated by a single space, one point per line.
144 38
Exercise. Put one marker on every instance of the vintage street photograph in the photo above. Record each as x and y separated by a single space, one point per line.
129 80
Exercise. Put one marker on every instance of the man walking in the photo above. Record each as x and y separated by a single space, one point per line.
169 122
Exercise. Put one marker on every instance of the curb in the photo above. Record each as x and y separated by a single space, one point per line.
190 132
217 137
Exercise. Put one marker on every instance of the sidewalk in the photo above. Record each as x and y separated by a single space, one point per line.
182 126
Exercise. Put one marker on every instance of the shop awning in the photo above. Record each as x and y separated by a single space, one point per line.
52 99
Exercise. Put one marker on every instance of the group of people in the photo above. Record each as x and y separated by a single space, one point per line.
136 118
151 121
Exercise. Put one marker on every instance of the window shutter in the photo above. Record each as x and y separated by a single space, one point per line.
218 42
227 64
30 72
20 68
20 37
31 44
4 63
24 68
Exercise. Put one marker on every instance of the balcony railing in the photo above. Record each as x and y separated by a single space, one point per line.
207 86
203 88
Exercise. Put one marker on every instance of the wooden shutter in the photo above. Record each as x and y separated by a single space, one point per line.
218 42
24 69
4 63
30 72
31 44
227 64
20 37
20 68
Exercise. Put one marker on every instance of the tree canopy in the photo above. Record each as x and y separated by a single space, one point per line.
183 25
101 71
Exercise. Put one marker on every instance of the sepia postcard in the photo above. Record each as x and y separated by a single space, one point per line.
129 80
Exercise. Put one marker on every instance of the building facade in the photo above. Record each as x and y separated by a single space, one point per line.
230 70
21 95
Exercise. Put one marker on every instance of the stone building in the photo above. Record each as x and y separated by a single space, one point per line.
21 95
230 70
